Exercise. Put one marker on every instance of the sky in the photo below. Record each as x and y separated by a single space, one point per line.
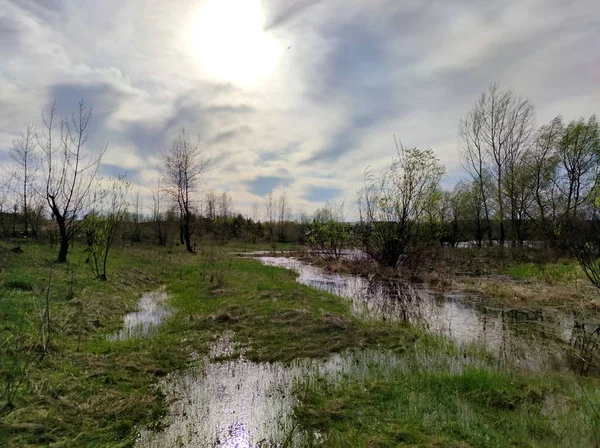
294 95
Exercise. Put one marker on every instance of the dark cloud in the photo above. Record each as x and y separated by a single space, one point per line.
287 12
356 74
103 98
262 185
10 34
322 194
231 134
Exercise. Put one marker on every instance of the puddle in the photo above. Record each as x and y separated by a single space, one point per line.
533 339
240 403
152 311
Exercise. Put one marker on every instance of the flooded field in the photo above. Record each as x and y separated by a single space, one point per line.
540 339
152 311
240 403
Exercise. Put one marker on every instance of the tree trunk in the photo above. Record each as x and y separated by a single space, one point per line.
64 248
186 235
64 240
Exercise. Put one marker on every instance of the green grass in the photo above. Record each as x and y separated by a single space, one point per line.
550 273
475 406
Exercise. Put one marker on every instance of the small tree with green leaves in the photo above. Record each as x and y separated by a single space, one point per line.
392 205
328 235
101 227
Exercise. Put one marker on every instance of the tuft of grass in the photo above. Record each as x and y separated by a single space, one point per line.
20 281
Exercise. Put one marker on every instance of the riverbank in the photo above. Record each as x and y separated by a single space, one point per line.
517 277
90 390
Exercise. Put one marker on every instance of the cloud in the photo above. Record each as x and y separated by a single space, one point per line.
322 194
262 185
355 74
281 16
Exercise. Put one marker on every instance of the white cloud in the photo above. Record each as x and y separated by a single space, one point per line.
347 76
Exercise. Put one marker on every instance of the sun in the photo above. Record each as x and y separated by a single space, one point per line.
228 41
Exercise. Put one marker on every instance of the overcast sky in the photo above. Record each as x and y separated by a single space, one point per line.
299 95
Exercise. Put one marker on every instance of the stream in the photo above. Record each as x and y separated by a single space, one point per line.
536 339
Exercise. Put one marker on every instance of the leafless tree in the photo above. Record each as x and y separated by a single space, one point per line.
157 214
26 160
578 152
137 217
284 214
71 174
210 201
224 205
474 162
270 210
543 162
185 166
494 135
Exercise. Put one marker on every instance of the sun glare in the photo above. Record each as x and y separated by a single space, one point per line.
229 42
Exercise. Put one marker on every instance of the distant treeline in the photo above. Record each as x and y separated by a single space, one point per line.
522 181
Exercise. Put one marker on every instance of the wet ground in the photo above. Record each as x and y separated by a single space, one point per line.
152 311
541 339
240 403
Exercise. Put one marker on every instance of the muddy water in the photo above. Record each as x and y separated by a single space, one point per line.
544 339
240 403
152 311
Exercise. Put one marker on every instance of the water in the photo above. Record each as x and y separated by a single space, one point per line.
152 311
240 403
543 339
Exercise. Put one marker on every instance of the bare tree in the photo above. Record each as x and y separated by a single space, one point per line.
157 214
543 162
284 214
137 217
185 166
210 209
474 162
70 173
578 152
24 155
494 136
224 205
270 206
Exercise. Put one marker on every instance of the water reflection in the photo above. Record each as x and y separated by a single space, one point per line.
152 311
534 339
240 403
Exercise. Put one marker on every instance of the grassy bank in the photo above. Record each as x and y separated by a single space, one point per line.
474 406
